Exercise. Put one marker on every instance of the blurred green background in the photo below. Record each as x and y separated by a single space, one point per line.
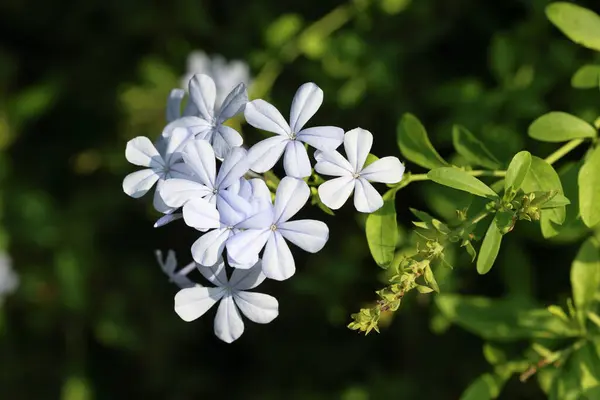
92 317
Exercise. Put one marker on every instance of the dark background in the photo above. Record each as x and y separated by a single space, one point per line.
93 315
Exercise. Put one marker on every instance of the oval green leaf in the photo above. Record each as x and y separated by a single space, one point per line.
586 77
558 126
579 24
585 276
517 170
489 248
461 180
415 145
589 189
472 149
382 231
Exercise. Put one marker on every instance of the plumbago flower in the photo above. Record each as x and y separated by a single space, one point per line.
192 303
290 137
169 265
353 175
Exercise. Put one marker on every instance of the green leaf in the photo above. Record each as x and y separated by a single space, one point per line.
486 387
587 363
587 77
517 170
579 24
489 248
415 145
283 29
585 276
542 177
502 319
382 231
472 149
558 200
461 180
429 222
589 189
558 126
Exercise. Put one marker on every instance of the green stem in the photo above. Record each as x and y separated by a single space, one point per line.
563 151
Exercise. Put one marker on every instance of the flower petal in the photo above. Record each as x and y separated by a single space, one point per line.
139 182
181 280
167 219
357 144
257 307
215 274
200 157
290 197
234 103
196 126
232 208
200 214
208 249
192 303
203 93
158 202
308 234
174 104
168 264
233 168
175 144
295 160
322 137
384 170
278 262
262 219
265 116
246 279
228 321
366 198
176 192
264 154
179 170
224 139
244 246
307 100
335 192
140 151
332 163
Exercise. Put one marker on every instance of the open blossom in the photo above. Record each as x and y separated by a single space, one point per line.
271 227
161 162
202 120
290 137
192 303
169 266
353 175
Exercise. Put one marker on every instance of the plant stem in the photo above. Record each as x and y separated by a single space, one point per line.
563 151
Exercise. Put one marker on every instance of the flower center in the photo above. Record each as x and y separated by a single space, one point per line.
273 227
356 175
293 135
215 191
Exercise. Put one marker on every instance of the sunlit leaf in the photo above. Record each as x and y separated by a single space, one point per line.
579 24
517 170
587 77
589 189
489 248
415 145
559 126
461 180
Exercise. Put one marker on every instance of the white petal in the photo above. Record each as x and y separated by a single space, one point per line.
384 170
169 264
264 154
290 197
257 307
167 219
208 249
196 126
262 219
366 198
215 274
232 208
139 182
200 157
174 104
175 144
158 202
202 94
140 151
181 280
322 137
263 115
244 246
335 192
192 303
246 279
357 144
179 170
234 103
307 100
278 262
176 192
228 321
233 168
295 160
260 190
224 139
332 163
200 214
241 266
308 234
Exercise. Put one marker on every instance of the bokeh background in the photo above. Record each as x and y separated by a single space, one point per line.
92 316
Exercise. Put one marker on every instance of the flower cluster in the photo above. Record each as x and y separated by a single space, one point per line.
205 176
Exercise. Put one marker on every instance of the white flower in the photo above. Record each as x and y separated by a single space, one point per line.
192 303
206 123
226 75
162 162
174 105
169 265
290 137
353 176
9 280
271 227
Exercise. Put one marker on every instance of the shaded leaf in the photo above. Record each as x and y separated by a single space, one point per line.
585 276
486 387
461 180
558 126
382 231
415 145
589 189
489 248
472 149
